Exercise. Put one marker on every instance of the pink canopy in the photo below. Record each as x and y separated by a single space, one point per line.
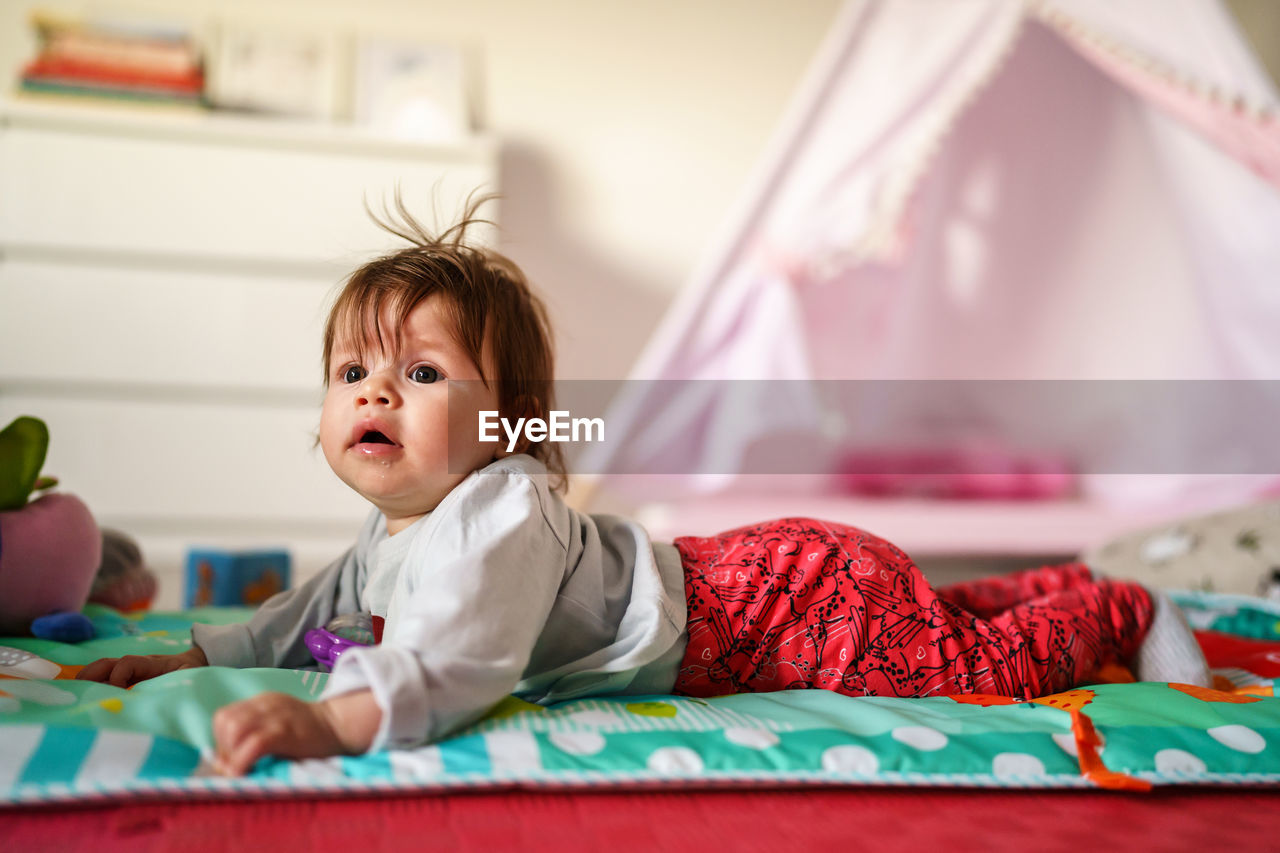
981 189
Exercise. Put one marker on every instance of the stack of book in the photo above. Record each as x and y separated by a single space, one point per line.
115 60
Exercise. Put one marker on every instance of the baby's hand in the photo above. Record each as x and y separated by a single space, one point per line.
130 669
272 724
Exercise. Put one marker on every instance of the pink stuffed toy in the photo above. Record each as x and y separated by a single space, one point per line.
50 547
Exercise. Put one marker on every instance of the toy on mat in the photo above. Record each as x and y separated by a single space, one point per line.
16 663
65 627
341 633
216 577
123 580
50 547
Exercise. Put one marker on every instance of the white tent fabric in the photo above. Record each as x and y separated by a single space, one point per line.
981 189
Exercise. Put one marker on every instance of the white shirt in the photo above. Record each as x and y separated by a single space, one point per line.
501 589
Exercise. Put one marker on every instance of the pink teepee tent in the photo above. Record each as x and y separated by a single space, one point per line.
977 190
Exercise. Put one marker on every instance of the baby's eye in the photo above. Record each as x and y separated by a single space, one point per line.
353 373
425 374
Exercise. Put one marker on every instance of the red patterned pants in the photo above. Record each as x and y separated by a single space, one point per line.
800 603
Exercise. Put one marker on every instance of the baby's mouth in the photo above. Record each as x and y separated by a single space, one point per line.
370 438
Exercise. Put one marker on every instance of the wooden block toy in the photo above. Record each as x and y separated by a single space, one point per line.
218 577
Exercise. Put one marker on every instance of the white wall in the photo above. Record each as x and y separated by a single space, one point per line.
627 129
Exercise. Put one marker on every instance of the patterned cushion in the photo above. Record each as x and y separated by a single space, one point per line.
1234 551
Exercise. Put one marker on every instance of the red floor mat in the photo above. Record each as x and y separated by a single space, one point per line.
863 818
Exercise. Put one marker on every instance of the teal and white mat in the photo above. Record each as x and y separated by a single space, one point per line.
66 740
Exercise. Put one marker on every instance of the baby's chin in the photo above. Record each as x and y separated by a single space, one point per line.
402 513
397 523
412 500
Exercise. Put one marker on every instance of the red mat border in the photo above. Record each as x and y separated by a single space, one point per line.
876 819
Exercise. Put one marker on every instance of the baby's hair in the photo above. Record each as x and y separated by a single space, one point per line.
484 292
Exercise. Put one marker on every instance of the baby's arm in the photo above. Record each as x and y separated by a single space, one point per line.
476 595
273 637
276 635
279 724
130 669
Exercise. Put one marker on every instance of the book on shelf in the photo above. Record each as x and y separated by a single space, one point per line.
51 70
113 60
88 89
118 51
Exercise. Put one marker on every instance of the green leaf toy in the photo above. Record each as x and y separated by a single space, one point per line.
23 445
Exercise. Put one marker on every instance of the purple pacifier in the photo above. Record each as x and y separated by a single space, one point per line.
339 634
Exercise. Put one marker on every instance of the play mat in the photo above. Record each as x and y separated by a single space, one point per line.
63 740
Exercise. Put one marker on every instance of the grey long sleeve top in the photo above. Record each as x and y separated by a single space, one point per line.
503 588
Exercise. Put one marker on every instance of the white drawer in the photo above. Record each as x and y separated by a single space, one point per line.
181 461
90 325
198 189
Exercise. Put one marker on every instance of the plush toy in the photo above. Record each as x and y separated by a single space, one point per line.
123 580
50 547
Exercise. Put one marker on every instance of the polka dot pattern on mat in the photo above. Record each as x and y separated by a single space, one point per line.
1239 738
923 738
676 760
513 752
578 743
850 759
1178 761
1016 764
751 738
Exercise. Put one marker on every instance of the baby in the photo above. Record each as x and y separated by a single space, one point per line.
490 584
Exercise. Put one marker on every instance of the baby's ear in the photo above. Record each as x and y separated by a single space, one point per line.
525 406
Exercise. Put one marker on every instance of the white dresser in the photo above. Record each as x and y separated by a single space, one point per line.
163 283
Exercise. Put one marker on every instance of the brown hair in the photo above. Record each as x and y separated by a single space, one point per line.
485 293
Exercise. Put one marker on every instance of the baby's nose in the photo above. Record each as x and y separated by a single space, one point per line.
377 390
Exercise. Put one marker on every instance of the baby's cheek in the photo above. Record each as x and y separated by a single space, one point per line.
461 443
332 430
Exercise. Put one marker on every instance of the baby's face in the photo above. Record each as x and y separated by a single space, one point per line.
387 419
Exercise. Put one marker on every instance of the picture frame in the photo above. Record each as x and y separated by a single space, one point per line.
411 89
272 70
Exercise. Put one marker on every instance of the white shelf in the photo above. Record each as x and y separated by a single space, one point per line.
211 126
920 527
